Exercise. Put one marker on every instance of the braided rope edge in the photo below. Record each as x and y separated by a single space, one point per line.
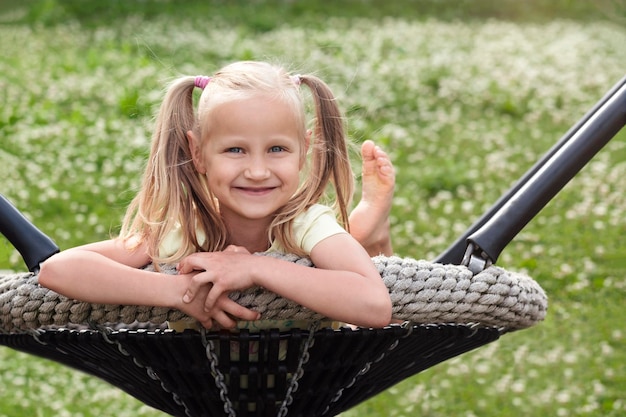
422 292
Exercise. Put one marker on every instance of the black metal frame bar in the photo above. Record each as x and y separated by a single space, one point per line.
490 234
34 245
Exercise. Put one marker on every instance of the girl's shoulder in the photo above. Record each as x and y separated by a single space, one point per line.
312 226
315 212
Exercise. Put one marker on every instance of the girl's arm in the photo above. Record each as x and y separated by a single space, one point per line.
108 273
105 272
344 286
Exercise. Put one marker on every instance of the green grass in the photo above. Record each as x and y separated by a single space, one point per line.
465 96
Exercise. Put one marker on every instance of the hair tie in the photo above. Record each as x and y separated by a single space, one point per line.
296 79
201 81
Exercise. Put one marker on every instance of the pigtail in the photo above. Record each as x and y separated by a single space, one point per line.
172 193
330 164
330 157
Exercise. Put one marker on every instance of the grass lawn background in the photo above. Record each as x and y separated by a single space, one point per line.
465 96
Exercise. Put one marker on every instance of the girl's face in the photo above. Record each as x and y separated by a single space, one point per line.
252 157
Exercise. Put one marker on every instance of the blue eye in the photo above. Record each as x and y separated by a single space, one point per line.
234 150
277 149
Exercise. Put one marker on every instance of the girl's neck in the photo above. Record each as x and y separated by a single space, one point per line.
252 235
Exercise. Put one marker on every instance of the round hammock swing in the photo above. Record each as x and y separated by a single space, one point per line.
448 310
457 303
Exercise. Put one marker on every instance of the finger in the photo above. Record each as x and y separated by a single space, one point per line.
183 268
214 292
237 310
207 324
211 299
196 285
236 249
224 320
198 261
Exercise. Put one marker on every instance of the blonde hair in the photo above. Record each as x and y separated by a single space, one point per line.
173 194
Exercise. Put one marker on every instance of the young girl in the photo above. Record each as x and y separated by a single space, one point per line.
232 180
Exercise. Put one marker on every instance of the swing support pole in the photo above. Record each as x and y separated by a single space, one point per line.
481 244
34 246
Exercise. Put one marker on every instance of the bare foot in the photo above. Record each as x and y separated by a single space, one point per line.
369 221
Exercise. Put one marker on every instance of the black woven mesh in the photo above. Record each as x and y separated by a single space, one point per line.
257 366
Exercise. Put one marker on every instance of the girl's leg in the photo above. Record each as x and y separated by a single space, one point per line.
369 221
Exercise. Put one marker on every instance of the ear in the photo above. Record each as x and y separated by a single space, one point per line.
307 144
196 152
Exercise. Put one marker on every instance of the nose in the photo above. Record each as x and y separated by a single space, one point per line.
258 169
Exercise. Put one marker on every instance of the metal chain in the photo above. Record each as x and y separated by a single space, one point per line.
304 359
106 331
409 329
220 380
35 333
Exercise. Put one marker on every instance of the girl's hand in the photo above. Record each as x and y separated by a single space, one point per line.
219 274
225 311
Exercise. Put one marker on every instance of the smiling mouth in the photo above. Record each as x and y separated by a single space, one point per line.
256 190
